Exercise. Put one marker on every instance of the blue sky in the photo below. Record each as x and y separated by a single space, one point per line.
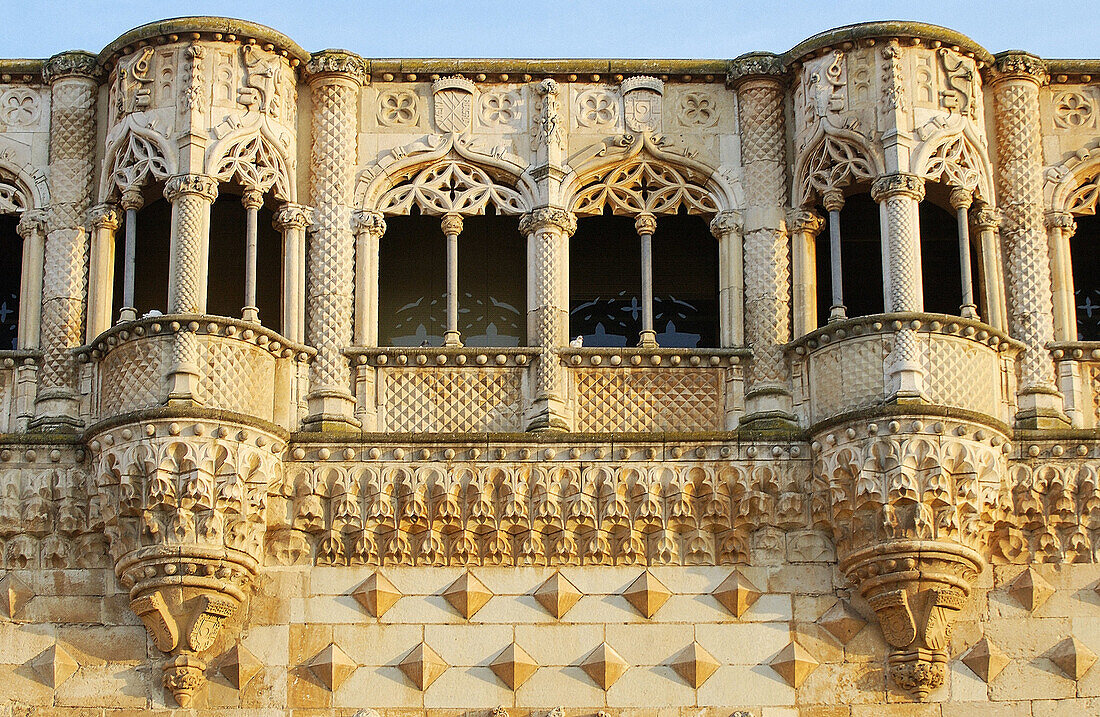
567 28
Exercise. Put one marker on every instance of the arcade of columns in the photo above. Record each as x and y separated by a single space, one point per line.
841 519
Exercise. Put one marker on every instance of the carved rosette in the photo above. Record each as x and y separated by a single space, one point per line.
908 500
183 507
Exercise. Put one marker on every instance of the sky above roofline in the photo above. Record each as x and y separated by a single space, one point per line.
567 28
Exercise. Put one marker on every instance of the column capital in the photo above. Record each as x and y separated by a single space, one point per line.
104 216
367 221
833 199
132 198
1016 65
336 63
252 199
201 184
899 183
1060 220
548 218
805 221
725 223
31 221
645 223
756 66
961 198
986 218
74 63
451 224
293 216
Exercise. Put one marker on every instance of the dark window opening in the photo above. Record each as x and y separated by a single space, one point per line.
605 282
151 259
225 287
11 270
940 265
860 260
492 282
1084 248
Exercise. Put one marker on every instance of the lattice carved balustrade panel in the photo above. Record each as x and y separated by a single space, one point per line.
132 377
452 400
646 400
847 376
237 376
963 373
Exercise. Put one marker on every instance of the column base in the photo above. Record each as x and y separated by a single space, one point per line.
451 339
127 313
548 414
647 339
183 384
969 311
768 408
331 410
57 411
251 314
1041 407
838 313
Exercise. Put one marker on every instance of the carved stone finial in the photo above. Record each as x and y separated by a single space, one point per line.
74 63
903 183
756 65
1020 65
336 62
548 218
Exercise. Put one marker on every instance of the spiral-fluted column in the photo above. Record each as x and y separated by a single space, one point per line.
74 87
758 79
334 80
1016 80
898 196
548 231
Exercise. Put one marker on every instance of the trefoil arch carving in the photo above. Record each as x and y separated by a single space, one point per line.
836 158
136 152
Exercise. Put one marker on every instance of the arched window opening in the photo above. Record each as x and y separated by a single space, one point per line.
412 281
151 260
11 263
1085 258
941 273
860 260
226 289
605 284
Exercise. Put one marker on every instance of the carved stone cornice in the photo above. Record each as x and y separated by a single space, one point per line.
899 183
202 185
725 223
804 221
104 216
31 221
74 63
548 218
293 216
336 63
369 222
756 65
1015 65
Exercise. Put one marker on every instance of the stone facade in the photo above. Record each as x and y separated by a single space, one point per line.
889 514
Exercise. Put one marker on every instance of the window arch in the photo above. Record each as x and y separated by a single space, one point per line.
22 246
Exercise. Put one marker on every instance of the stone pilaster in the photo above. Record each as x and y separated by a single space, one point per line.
758 79
898 196
548 231
1016 80
74 88
334 79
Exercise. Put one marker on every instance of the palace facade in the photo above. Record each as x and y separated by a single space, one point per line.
333 385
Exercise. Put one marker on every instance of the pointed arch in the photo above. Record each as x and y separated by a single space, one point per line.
135 153
835 158
1073 186
256 157
954 156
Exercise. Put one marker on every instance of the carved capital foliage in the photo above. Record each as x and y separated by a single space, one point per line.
1020 66
202 185
451 224
726 223
293 216
987 218
30 222
336 62
372 223
645 223
1060 220
104 216
75 63
899 183
756 65
548 218
805 221
961 198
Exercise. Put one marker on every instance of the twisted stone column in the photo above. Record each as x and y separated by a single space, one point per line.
898 196
548 231
758 79
334 79
1016 80
74 87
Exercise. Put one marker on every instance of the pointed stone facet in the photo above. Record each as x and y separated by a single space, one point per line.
604 666
239 666
467 595
513 666
422 666
842 621
14 593
647 594
376 594
557 595
695 665
1073 657
53 666
1030 589
737 593
985 660
794 664
332 666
